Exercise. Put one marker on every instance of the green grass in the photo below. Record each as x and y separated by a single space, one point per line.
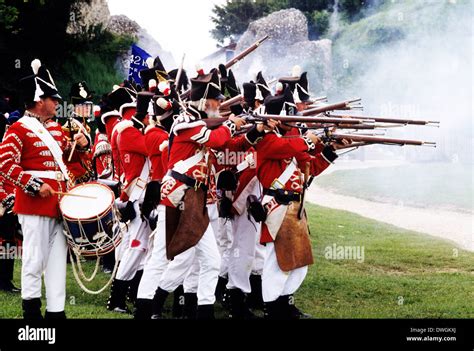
434 279
438 185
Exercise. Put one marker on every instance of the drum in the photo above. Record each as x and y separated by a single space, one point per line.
90 219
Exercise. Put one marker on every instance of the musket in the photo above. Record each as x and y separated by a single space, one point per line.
316 102
303 119
229 102
367 125
254 118
391 120
376 140
178 75
343 105
236 59
244 53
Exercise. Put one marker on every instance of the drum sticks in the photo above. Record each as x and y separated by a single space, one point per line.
76 195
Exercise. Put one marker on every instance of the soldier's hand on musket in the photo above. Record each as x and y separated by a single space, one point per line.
46 190
81 139
239 122
269 124
314 138
340 144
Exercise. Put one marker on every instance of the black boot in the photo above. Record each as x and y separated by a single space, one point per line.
292 311
7 286
276 310
178 302
158 302
32 309
238 305
143 308
190 305
221 288
133 287
255 298
6 275
118 296
55 315
205 312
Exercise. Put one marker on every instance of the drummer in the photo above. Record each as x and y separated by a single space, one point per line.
33 156
80 171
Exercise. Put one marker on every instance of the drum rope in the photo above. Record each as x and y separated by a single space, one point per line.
81 271
81 284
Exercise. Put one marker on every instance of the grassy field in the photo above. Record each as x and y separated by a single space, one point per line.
403 275
447 186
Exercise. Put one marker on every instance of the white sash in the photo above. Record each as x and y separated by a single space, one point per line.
42 133
280 182
138 185
184 165
285 176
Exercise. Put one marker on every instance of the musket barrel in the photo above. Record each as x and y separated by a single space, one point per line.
244 53
378 140
390 120
229 102
344 105
308 119
236 59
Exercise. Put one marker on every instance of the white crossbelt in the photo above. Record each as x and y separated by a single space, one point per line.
56 175
183 166
138 185
43 134
280 182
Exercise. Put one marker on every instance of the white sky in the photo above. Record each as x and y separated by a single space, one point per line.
180 26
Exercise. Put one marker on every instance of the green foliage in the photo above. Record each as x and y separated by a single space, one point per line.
320 22
8 16
37 29
233 18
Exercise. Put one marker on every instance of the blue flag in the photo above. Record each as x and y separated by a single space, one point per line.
137 63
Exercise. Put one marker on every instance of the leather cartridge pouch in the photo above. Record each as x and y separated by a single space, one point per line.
186 226
292 243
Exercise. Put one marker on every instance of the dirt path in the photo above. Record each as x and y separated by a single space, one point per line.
454 226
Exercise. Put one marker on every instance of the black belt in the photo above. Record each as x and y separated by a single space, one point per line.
183 178
283 196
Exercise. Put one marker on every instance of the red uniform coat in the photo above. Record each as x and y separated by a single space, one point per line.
274 153
189 139
20 151
132 150
156 140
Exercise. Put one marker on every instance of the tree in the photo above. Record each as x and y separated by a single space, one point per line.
233 18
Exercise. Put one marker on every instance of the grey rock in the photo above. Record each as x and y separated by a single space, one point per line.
288 46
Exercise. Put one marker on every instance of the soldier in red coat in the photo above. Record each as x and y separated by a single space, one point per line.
136 172
80 171
33 156
188 169
156 139
285 161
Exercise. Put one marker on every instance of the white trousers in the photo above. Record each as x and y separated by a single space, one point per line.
275 282
157 262
44 251
223 230
201 262
134 252
259 260
242 253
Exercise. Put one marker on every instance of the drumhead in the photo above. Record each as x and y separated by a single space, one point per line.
85 208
